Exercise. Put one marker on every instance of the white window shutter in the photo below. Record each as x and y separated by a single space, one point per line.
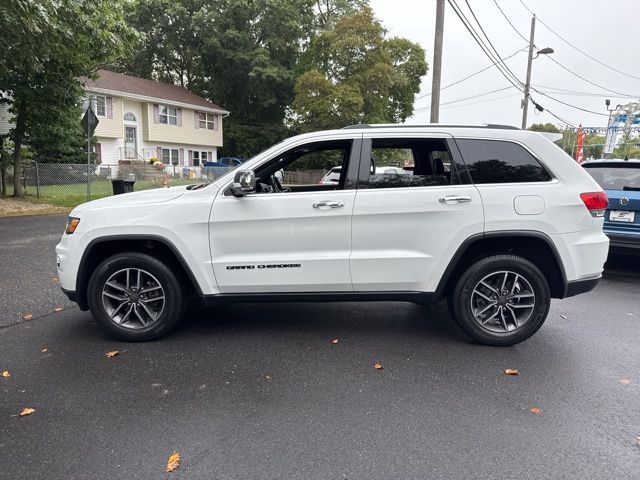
197 119
156 114
179 117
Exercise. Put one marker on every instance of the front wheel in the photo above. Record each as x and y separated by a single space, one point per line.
501 300
135 297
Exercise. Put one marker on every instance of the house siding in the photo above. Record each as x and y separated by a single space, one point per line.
187 133
5 119
112 127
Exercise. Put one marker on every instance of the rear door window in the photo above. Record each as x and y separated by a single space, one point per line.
497 161
409 162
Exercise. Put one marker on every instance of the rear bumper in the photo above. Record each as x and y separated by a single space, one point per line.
624 242
576 287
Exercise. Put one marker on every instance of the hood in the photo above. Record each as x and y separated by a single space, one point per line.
156 195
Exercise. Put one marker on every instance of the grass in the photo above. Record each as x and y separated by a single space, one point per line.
73 194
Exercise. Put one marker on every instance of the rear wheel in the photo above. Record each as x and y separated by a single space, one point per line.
135 297
501 300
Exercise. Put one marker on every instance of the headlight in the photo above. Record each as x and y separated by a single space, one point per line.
72 224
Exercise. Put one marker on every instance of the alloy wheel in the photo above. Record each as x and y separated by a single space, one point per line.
133 298
502 301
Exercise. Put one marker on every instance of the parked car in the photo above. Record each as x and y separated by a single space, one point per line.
225 162
496 219
333 175
621 181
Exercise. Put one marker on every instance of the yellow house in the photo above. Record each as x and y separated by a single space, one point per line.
141 119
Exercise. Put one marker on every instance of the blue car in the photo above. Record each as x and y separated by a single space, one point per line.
621 181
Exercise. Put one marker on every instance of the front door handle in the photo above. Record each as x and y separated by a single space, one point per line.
454 199
328 204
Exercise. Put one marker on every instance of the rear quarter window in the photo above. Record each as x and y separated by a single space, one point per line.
497 161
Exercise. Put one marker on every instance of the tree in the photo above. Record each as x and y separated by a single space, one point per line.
171 43
251 56
544 127
358 75
48 46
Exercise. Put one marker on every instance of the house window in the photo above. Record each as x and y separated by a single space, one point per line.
170 156
100 104
199 158
168 115
129 117
206 120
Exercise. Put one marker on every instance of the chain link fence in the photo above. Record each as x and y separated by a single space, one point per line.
76 182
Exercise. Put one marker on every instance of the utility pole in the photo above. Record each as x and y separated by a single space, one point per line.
527 85
437 62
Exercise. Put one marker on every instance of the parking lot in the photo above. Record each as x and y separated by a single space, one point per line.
261 391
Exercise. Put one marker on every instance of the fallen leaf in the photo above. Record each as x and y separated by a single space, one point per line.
624 381
174 462
58 309
27 316
115 353
6 374
512 371
267 377
334 341
377 366
44 350
27 411
535 410
638 441
564 316
55 279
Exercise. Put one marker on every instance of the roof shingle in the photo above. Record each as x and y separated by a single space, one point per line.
120 82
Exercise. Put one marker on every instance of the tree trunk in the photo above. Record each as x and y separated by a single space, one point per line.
18 136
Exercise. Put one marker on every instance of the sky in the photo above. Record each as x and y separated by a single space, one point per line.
605 29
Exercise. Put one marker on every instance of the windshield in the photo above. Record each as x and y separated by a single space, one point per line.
615 177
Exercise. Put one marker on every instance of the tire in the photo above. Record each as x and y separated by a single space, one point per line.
520 308
111 294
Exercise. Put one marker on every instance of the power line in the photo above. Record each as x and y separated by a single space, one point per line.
479 95
489 40
585 79
509 21
516 83
486 100
552 114
472 75
553 59
563 91
576 48
568 104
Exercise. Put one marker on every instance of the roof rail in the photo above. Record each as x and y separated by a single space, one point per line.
431 125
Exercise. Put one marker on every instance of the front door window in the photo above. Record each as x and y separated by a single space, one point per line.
130 142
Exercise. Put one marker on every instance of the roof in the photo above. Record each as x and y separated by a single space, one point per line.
429 125
128 84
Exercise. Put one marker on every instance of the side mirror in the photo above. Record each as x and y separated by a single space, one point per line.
243 183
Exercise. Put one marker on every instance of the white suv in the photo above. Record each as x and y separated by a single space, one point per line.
497 219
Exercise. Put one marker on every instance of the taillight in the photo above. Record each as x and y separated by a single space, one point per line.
596 202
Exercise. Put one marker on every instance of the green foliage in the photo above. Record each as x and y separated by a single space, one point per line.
48 46
544 127
358 76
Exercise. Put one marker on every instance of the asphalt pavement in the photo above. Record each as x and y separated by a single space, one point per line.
261 392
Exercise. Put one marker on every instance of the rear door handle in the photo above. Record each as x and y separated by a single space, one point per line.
454 199
328 204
